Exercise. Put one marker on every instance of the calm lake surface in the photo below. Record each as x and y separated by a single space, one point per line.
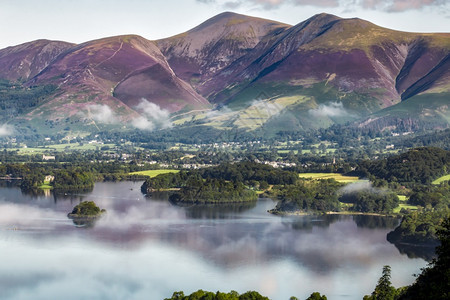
146 248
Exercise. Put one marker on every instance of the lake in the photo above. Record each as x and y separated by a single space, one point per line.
146 248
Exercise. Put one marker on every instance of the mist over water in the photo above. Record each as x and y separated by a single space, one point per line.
147 248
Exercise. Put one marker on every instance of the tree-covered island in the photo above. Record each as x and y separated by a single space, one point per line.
86 210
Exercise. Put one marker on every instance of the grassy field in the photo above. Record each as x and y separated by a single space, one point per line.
405 206
154 173
402 198
441 179
46 187
62 147
335 176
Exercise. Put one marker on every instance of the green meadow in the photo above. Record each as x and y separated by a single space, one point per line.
336 176
442 179
154 173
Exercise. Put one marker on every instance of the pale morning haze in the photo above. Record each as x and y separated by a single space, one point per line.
83 20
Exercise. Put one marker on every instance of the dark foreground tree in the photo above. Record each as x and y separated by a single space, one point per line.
434 281
384 289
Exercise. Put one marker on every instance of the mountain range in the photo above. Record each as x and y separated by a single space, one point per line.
232 71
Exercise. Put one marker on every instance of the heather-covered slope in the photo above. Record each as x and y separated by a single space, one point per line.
322 71
352 55
256 73
122 68
27 60
206 50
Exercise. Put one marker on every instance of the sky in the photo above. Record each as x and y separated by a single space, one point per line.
79 21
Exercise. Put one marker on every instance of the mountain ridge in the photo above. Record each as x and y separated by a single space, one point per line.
321 71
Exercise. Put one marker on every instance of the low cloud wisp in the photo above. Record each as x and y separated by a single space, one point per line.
358 186
267 108
6 130
333 109
102 113
152 116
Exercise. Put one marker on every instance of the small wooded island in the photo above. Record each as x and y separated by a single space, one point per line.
86 210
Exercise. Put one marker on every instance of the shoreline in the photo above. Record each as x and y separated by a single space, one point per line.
312 213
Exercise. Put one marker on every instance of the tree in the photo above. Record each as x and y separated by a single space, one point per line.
384 289
316 296
87 208
434 281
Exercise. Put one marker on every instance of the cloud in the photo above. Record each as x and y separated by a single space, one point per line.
270 4
361 186
232 4
143 124
380 5
17 215
357 186
101 113
217 113
334 109
267 108
152 116
6 130
400 5
320 3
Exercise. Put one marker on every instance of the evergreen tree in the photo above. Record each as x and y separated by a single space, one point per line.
384 289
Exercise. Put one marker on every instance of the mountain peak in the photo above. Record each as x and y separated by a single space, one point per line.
325 16
231 19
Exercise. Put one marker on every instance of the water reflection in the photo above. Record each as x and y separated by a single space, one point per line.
417 251
307 223
84 222
223 211
144 248
376 221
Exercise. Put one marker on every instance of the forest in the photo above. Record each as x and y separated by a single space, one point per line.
306 196
15 99
196 191
420 165
419 227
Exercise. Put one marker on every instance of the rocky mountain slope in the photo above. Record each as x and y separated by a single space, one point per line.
239 71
